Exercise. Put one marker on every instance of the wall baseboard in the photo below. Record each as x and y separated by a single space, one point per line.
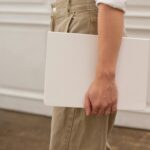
134 119
131 119
26 105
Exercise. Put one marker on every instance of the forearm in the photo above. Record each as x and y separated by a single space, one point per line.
110 32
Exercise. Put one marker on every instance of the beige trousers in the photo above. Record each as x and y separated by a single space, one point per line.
71 129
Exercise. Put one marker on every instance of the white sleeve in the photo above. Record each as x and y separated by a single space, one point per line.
120 4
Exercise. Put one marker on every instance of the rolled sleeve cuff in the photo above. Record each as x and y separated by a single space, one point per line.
119 4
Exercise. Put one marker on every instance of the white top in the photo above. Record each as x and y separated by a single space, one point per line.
120 4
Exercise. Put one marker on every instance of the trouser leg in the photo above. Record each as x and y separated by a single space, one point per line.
71 129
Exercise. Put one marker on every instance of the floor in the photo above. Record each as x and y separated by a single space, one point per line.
20 131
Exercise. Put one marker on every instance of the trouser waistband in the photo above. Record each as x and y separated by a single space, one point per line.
64 7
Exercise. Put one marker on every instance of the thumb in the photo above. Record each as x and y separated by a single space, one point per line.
87 105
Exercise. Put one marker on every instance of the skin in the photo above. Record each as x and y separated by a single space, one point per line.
102 94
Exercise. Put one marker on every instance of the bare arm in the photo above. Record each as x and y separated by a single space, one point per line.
101 97
110 32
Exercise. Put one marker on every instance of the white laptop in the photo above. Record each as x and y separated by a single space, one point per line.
70 67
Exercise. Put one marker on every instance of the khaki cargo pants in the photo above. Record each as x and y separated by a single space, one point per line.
71 129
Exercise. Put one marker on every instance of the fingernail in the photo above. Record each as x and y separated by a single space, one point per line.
87 113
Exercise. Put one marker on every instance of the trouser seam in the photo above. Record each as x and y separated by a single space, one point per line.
69 131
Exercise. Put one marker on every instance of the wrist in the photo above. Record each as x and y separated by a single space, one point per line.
105 74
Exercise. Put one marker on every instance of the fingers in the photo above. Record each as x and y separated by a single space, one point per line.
114 100
95 110
102 104
108 108
114 107
87 105
104 107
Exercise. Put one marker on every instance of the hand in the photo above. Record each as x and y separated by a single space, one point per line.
101 97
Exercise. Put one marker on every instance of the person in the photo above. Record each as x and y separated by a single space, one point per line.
89 128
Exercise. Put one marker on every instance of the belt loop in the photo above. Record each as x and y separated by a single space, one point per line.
52 23
52 15
68 6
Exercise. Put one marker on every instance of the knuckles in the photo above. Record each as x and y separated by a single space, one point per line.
98 102
103 104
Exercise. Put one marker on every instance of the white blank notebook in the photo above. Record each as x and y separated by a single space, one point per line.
70 67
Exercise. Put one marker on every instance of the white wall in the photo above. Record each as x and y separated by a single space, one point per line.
138 18
23 28
137 23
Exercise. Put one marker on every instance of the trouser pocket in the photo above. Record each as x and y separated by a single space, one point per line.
70 19
51 27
